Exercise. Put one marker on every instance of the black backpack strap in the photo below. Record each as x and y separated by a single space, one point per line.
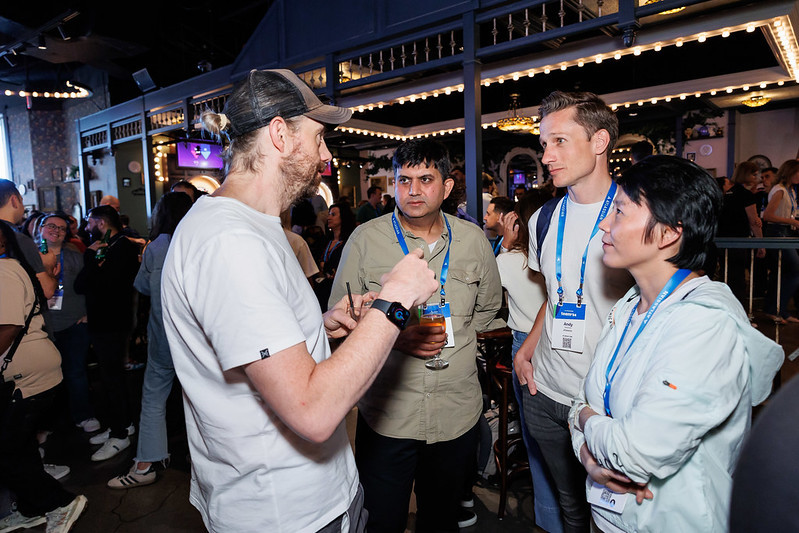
542 224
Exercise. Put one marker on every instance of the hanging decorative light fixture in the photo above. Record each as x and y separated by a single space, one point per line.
515 123
756 101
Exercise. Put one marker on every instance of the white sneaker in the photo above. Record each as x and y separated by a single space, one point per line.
62 519
100 438
16 521
90 425
111 448
56 471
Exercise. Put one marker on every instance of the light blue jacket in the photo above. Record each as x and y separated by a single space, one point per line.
684 439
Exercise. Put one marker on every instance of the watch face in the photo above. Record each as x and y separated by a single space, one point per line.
401 315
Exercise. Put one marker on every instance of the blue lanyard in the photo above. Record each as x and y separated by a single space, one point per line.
559 251
672 284
498 245
404 246
61 272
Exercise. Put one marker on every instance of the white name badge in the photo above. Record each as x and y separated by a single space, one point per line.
568 328
603 497
447 318
56 300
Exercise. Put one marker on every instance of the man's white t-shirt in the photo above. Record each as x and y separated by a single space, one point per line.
558 373
233 293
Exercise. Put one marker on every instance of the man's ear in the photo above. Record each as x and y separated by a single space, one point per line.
601 140
279 133
449 184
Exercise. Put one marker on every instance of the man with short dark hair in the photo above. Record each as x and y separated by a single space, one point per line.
498 207
578 131
109 269
372 208
417 426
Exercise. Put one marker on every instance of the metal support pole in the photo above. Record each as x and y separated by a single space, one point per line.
472 115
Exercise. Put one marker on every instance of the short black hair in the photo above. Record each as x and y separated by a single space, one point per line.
373 189
679 194
427 152
7 190
107 213
767 169
641 149
502 204
186 184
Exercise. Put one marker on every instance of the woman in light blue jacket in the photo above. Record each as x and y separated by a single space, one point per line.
667 401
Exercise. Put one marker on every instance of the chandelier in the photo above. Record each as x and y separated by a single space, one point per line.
756 101
515 123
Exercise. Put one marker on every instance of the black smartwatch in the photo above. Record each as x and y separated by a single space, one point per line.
394 311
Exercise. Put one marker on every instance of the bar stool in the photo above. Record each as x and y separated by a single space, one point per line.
495 345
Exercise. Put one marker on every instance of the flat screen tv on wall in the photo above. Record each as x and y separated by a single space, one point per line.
199 155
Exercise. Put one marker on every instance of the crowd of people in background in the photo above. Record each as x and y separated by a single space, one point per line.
74 290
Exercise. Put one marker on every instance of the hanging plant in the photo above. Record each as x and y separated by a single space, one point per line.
375 164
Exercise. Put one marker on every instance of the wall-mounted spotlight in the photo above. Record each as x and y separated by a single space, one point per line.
40 43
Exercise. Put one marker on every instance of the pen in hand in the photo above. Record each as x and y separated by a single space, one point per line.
352 304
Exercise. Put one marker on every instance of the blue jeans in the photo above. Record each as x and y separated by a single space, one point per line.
73 344
545 503
159 375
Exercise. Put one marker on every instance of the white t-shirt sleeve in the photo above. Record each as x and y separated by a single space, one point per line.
241 300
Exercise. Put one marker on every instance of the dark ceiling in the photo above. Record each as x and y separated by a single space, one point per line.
173 40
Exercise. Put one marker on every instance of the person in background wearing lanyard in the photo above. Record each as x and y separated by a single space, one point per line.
578 131
780 214
416 424
498 208
668 398
68 315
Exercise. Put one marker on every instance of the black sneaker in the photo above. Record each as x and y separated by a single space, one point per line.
466 518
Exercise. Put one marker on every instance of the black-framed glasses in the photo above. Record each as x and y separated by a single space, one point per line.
53 227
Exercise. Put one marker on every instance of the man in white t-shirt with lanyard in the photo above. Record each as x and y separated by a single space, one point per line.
578 131
265 399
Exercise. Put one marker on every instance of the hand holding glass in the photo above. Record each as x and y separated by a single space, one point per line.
432 319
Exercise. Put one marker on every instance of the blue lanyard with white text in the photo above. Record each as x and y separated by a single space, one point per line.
559 250
404 246
672 284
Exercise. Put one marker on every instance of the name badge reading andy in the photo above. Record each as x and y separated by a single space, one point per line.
444 310
603 497
568 328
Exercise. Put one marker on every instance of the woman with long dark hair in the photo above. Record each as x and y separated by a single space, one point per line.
526 291
340 223
152 454
35 370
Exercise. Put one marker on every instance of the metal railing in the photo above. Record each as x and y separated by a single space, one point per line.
725 244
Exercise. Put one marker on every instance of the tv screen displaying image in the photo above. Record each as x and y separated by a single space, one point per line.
200 155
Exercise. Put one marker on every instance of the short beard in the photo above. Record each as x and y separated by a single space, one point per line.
300 176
